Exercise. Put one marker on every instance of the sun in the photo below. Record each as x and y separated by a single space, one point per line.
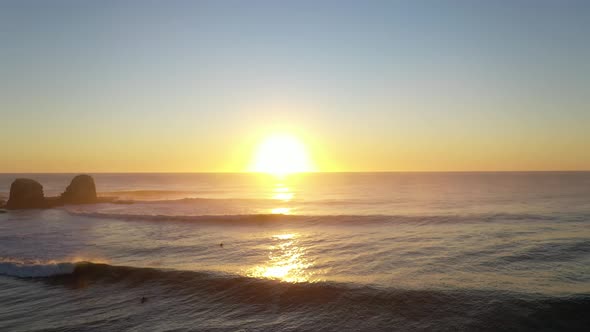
281 154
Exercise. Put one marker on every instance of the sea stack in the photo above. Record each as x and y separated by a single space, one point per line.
25 194
80 191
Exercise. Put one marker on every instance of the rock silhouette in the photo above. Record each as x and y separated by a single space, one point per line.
25 194
28 194
81 190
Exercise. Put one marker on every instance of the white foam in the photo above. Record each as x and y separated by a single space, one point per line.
35 269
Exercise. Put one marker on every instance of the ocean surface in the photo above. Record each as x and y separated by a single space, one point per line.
306 252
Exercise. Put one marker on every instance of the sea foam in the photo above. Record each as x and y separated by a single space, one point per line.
35 269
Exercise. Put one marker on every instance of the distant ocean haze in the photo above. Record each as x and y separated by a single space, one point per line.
336 193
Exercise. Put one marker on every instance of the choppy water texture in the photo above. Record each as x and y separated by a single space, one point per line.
329 252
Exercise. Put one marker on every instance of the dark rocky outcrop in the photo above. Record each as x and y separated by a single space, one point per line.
25 194
80 191
28 194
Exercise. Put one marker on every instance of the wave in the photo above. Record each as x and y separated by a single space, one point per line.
327 202
179 196
35 269
335 219
251 289
150 195
78 273
325 304
549 252
247 218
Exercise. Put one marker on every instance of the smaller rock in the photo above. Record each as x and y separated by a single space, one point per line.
80 191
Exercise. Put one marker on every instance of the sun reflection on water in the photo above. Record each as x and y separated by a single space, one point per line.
284 236
286 261
283 194
281 210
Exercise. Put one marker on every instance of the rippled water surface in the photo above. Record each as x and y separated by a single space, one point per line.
362 251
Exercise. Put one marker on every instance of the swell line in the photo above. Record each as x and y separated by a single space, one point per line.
337 219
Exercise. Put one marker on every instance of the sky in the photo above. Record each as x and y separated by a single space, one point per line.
195 86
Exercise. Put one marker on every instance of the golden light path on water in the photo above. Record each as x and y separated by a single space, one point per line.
283 195
283 210
286 261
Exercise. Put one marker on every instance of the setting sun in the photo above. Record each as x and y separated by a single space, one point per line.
281 154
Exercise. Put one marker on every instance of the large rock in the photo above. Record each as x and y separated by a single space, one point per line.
25 194
80 191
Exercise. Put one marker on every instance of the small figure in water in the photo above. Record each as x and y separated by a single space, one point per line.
143 299
221 245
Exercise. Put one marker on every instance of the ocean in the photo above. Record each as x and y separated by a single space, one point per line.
304 252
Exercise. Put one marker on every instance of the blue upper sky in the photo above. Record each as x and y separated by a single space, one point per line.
370 85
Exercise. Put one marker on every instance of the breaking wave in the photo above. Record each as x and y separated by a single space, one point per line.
35 269
469 308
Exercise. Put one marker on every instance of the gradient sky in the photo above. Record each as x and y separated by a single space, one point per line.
110 86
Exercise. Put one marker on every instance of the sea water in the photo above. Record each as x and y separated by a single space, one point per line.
304 252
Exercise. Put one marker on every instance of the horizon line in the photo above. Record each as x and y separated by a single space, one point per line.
313 172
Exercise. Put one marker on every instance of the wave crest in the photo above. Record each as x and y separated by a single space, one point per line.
330 219
35 269
329 305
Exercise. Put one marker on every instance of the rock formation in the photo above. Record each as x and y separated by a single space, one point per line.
80 191
25 194
28 194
